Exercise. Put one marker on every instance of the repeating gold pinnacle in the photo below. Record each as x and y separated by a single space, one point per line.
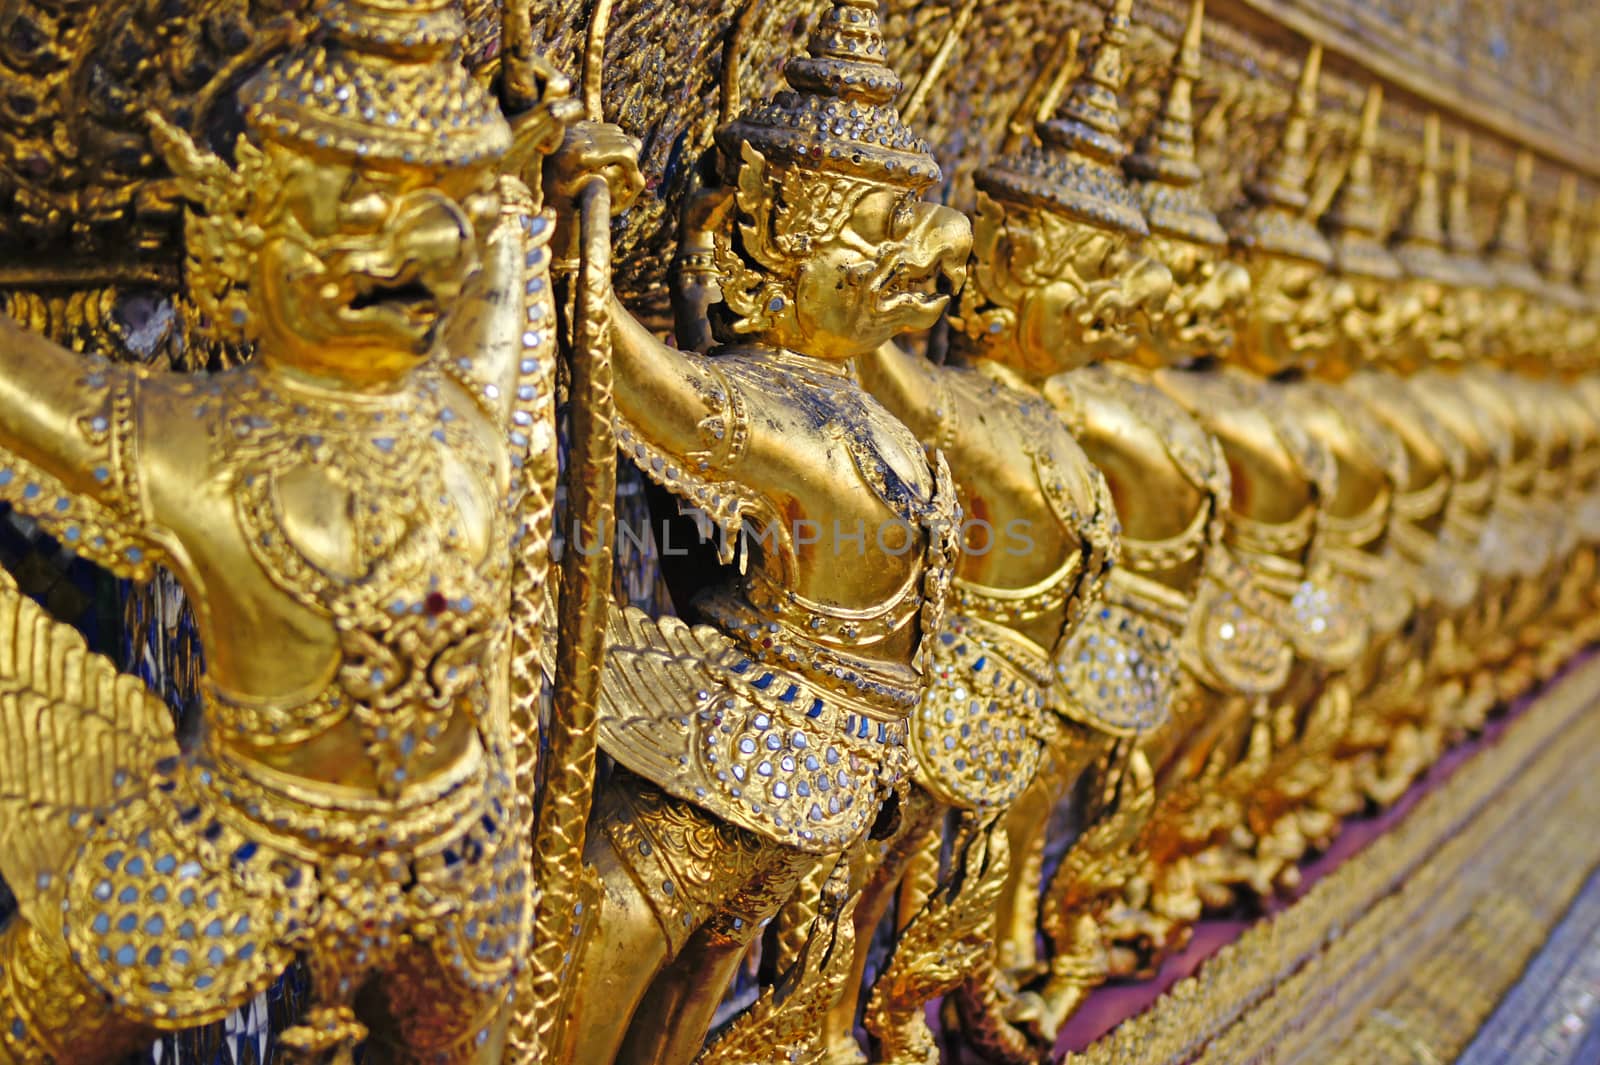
1273 221
1164 163
1460 234
840 116
1424 221
1283 177
1509 251
1075 168
1355 221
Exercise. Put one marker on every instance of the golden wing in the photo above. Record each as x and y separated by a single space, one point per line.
655 674
75 734
687 710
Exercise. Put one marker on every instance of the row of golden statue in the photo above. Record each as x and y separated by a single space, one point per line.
1202 535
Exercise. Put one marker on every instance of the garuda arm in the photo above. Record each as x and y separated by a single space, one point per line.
913 389
677 400
500 343
69 458
74 732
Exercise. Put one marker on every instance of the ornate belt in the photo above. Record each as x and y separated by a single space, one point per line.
976 735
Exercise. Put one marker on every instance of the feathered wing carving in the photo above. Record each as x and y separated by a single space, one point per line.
75 734
655 672
687 709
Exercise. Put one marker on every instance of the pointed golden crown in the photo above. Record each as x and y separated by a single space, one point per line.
1074 169
1354 222
1589 273
1419 239
1460 237
1560 260
1421 242
839 114
1558 266
1164 161
1509 253
1273 219
381 81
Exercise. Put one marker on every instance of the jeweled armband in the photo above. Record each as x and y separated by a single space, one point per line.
109 530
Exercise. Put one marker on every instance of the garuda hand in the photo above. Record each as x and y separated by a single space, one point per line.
590 151
538 130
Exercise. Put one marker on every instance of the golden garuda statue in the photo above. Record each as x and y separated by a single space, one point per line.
594 532
341 513
754 748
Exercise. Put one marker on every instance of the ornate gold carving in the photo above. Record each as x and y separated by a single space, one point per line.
1258 989
338 511
1189 477
787 717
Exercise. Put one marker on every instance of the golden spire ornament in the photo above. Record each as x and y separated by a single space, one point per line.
1297 305
1382 313
1559 261
1354 221
1164 161
377 52
1459 229
1436 274
1461 235
1419 240
1517 287
838 116
1074 169
1510 252
1209 290
338 513
1273 222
